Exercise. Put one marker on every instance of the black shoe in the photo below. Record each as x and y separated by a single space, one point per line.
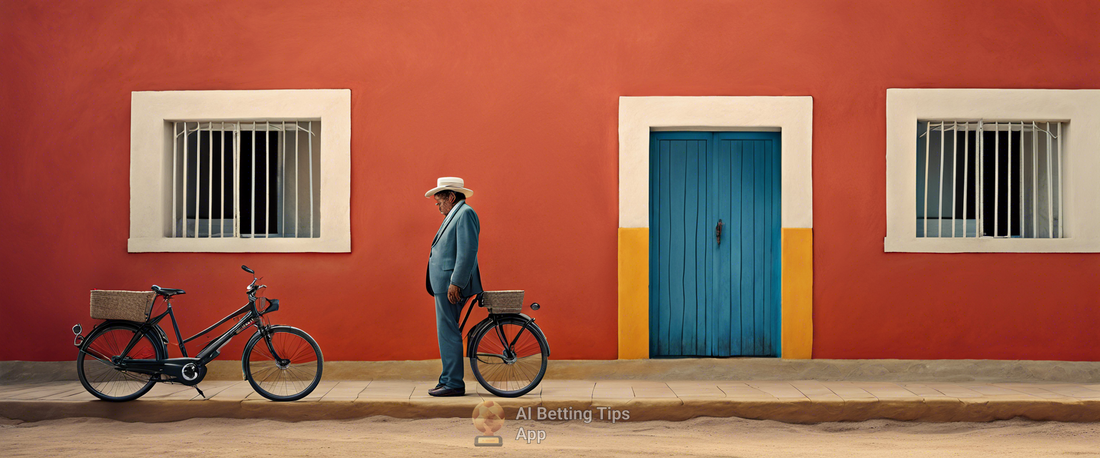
444 391
438 387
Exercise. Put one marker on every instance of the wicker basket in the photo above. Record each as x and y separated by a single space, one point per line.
122 305
503 301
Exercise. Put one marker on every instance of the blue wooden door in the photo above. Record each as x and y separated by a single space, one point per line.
714 295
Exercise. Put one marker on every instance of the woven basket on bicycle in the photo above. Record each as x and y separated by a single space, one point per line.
122 305
499 302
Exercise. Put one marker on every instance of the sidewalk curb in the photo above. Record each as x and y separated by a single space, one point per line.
674 409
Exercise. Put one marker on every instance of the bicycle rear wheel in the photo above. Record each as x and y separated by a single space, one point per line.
96 368
292 372
509 357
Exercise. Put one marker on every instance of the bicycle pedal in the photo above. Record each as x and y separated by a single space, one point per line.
200 392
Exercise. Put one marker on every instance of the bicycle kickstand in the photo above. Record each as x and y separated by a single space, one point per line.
200 392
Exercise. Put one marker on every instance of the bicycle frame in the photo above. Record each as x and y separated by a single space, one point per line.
174 366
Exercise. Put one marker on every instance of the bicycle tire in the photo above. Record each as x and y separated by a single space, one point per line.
492 369
303 369
102 378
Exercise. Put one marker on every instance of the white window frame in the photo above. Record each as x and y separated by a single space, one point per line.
151 166
1080 109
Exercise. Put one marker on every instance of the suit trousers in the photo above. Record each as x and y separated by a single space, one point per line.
450 341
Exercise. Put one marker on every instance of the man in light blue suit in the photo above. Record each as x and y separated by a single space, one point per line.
452 276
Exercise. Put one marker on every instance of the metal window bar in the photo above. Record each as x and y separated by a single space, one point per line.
297 169
175 142
252 199
1008 182
996 179
1049 206
310 139
966 172
954 172
1034 180
198 181
927 171
221 182
1023 170
939 195
267 179
979 189
282 181
184 200
1061 196
210 184
1050 186
236 179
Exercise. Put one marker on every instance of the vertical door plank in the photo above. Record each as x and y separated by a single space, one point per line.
770 236
677 252
713 285
777 247
763 333
666 243
726 178
691 243
698 324
759 251
748 247
655 184
737 233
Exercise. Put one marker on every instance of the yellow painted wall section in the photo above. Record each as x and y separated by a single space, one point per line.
633 293
798 293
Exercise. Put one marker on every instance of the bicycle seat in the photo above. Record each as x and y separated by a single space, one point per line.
167 292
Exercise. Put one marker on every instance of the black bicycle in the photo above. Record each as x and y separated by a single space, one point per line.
507 350
121 360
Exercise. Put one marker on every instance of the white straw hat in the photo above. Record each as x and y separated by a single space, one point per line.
449 184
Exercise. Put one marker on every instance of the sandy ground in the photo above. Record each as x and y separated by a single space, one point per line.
383 436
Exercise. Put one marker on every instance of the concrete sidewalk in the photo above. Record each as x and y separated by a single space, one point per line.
800 401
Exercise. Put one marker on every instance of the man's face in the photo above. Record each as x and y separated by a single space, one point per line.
444 202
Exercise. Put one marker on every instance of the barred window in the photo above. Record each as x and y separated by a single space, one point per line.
989 179
246 179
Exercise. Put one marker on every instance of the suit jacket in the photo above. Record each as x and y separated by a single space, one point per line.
453 260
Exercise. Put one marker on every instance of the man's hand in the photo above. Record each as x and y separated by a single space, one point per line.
453 294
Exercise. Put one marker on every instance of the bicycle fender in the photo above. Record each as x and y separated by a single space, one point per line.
107 323
163 335
157 328
536 328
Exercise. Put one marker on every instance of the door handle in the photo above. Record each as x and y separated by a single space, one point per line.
718 232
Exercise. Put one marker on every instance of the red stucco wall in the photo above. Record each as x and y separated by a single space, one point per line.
520 98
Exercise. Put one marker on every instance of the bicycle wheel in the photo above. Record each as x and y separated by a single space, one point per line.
292 372
98 372
506 369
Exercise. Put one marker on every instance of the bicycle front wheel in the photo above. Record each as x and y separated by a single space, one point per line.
510 356
97 367
286 370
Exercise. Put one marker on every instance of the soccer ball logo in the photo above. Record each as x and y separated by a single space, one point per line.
488 417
